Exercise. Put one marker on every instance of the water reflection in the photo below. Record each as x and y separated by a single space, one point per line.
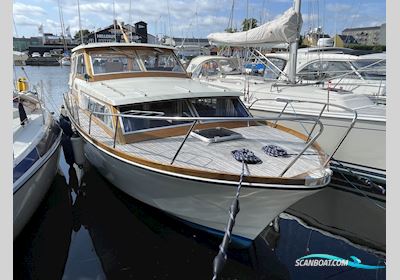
41 250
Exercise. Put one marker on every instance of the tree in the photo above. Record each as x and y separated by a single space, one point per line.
231 30
249 22
77 35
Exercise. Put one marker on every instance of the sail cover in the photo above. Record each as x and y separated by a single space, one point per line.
281 30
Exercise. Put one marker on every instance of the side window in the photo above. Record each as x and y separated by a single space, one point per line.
270 71
325 69
25 164
81 68
96 107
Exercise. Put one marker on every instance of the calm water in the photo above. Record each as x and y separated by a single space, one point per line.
87 229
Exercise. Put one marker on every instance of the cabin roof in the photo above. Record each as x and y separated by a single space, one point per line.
147 89
115 44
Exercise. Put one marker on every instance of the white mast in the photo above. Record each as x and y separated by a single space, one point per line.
294 46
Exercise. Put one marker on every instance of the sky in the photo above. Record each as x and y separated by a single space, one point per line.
190 18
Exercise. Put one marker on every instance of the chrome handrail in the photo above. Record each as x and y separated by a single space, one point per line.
196 120
325 105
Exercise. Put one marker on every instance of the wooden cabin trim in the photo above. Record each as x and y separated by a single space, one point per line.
177 130
125 75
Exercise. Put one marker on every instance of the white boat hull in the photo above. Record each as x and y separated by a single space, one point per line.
28 196
203 203
363 149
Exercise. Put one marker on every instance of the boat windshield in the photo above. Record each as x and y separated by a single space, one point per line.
217 67
203 107
118 60
372 69
160 60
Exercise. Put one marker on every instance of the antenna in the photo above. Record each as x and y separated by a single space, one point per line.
80 24
169 22
115 27
230 22
62 24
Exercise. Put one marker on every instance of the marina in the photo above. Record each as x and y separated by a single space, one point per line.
246 156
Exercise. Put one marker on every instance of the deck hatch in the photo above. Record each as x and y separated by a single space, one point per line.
217 134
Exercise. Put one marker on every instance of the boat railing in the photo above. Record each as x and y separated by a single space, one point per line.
325 106
195 120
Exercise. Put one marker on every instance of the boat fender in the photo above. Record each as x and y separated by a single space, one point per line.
66 144
77 147
22 114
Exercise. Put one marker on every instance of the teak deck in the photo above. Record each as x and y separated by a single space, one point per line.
217 157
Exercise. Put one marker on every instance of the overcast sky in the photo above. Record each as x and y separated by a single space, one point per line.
192 18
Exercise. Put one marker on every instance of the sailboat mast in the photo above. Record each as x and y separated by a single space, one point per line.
294 46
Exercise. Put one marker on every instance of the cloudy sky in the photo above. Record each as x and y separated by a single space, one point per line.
191 18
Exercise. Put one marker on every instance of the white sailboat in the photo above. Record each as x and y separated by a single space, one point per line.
36 149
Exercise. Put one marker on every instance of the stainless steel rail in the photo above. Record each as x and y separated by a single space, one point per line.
196 120
325 105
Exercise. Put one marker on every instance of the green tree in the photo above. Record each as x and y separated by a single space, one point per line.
231 30
249 23
77 35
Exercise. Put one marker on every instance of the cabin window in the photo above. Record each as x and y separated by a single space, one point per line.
114 62
219 107
326 69
270 72
208 68
97 107
80 67
203 107
175 108
372 69
160 60
25 164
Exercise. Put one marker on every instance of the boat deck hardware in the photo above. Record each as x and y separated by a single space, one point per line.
214 135
275 151
246 156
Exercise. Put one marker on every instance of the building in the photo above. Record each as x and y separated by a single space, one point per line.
188 47
369 36
113 33
22 44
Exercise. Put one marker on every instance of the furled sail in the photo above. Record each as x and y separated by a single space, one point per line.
281 30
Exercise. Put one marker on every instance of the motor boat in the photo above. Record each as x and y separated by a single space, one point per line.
65 61
36 149
183 147
19 58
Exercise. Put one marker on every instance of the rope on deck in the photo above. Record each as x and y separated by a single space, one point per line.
221 257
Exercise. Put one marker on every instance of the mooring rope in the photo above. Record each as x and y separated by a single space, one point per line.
221 257
364 180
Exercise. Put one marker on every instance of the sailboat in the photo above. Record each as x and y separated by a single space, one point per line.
36 150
